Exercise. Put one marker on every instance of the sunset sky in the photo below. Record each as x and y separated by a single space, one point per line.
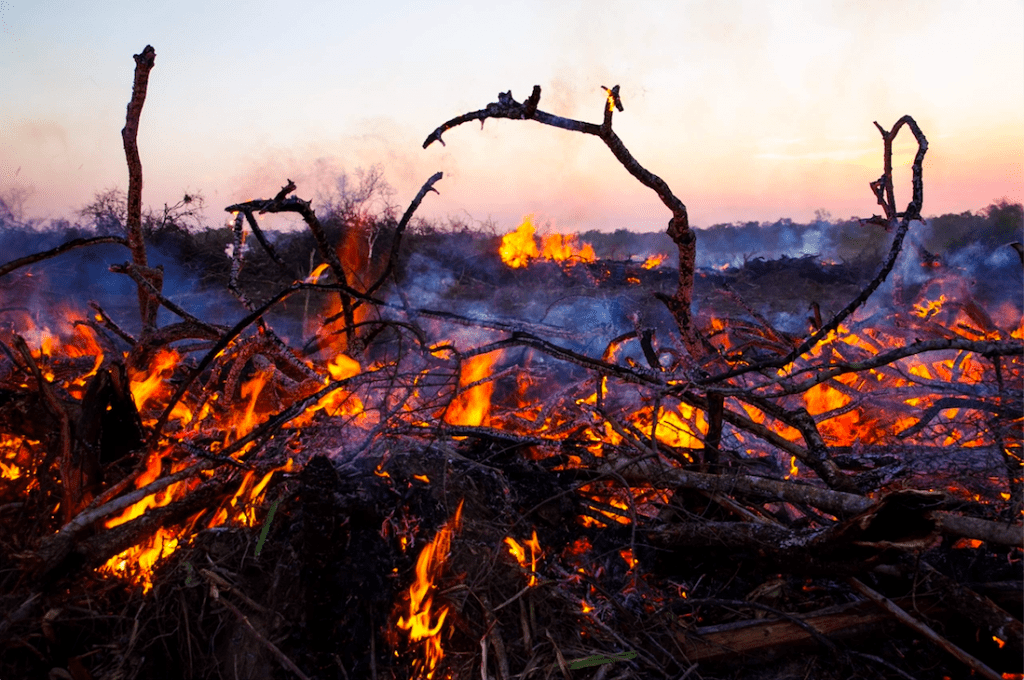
749 110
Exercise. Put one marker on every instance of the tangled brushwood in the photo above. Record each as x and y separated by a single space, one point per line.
369 473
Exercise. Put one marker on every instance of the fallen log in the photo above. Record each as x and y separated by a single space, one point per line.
762 638
838 503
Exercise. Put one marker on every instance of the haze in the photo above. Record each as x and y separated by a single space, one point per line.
749 110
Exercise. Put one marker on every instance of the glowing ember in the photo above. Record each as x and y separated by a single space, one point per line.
423 624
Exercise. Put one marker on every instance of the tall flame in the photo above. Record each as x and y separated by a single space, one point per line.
472 406
423 624
519 246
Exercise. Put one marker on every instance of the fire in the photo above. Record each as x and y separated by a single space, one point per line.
653 261
473 405
315 275
136 563
520 246
146 386
519 552
929 309
423 624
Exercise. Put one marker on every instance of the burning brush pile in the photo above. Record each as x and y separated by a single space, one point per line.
415 486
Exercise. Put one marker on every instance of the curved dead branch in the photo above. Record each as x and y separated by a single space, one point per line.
62 248
882 188
679 225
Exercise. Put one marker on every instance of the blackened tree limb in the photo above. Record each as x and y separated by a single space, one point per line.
54 252
906 619
678 227
280 203
822 374
262 238
225 340
209 332
647 471
71 474
400 230
883 191
129 134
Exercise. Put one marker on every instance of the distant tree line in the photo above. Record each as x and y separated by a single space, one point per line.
363 203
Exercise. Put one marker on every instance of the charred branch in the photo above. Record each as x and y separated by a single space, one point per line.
678 227
129 134
54 252
396 244
884 193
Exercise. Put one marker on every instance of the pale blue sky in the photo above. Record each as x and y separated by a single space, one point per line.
750 110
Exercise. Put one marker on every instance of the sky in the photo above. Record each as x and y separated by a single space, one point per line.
748 110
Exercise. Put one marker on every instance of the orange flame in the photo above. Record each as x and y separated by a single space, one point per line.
423 624
145 386
472 406
520 246
519 552
654 260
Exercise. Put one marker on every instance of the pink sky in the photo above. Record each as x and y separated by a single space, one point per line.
749 110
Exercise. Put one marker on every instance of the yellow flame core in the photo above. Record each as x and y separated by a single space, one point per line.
653 261
145 386
519 552
520 246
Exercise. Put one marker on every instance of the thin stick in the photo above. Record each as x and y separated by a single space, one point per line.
63 248
271 647
906 619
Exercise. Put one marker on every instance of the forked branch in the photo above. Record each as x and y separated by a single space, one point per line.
678 227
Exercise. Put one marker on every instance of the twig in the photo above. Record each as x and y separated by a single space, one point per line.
400 230
144 283
906 619
63 248
679 225
261 237
271 647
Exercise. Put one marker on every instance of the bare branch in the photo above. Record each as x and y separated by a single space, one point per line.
63 248
678 227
